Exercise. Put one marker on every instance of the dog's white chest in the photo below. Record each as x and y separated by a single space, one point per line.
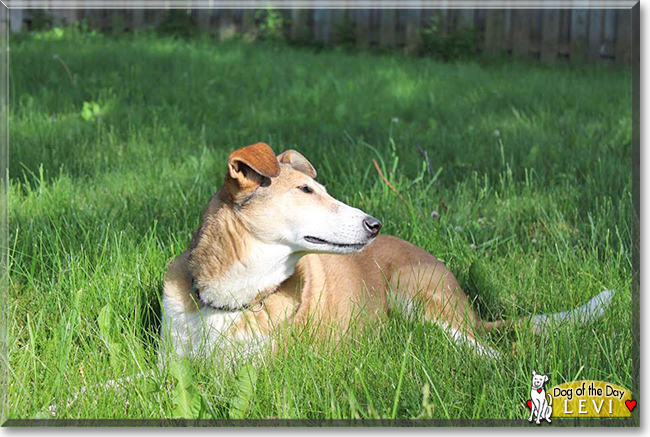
207 332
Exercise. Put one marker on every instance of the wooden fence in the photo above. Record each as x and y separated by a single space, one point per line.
551 35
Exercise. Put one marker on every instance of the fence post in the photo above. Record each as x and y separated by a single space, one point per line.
550 35
387 33
624 36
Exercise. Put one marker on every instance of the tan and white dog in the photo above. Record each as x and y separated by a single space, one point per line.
274 248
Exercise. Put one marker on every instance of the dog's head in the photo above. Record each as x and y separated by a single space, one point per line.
280 202
539 380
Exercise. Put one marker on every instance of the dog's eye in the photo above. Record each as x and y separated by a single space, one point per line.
305 189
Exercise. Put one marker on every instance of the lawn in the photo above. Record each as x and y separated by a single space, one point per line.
517 175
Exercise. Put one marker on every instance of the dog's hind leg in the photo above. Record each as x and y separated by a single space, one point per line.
433 287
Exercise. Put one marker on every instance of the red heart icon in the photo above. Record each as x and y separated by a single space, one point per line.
529 403
630 405
539 390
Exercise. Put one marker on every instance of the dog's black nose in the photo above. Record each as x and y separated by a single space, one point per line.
372 225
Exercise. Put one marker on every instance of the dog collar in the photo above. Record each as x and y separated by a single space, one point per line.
256 305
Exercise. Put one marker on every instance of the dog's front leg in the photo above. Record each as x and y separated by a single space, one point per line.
540 411
532 411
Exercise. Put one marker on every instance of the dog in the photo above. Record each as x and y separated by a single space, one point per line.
538 398
275 249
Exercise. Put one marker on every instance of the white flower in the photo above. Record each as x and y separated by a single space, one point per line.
394 120
458 229
472 246
534 241
496 133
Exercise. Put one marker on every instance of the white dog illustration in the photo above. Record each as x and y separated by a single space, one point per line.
538 399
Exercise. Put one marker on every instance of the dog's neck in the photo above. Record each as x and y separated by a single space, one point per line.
231 267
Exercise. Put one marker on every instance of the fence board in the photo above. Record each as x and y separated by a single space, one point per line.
227 27
550 35
507 31
595 33
117 21
158 16
300 25
248 24
494 30
579 32
522 24
320 25
609 34
466 19
412 30
335 21
624 36
362 28
387 21
204 19
16 20
137 19
565 26
443 16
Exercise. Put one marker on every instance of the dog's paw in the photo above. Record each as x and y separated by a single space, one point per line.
530 420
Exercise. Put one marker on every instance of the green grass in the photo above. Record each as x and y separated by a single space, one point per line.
528 169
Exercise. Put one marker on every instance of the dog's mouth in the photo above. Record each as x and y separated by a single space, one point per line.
320 241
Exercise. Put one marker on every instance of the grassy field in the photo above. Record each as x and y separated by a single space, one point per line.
117 144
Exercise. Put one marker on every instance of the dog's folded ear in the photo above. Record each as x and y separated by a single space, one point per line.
298 162
251 166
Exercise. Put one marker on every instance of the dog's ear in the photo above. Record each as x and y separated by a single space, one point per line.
298 162
545 378
250 166
534 373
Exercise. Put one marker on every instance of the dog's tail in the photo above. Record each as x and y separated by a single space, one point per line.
550 399
591 310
